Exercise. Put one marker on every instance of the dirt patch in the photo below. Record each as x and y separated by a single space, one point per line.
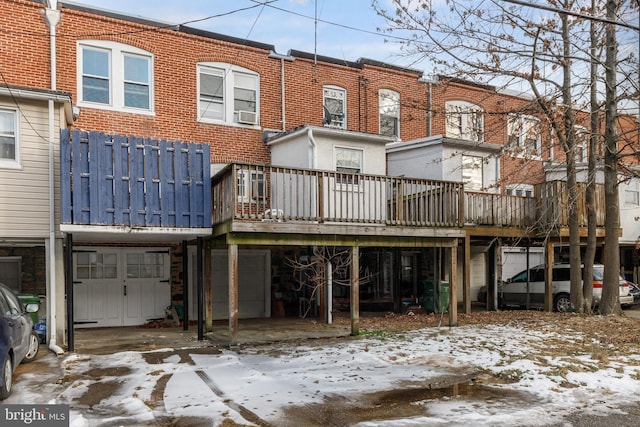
409 400
98 391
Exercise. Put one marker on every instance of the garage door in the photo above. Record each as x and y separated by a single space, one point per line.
120 286
254 285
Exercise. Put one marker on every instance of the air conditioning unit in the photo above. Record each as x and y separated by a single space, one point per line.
247 117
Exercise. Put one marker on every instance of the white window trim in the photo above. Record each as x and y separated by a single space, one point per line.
632 186
521 126
227 70
463 110
253 185
581 143
471 159
523 189
393 96
14 163
347 185
117 52
344 104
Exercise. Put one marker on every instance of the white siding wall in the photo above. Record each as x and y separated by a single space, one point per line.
24 192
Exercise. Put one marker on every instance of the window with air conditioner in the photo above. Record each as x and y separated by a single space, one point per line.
228 94
524 135
464 121
9 141
114 76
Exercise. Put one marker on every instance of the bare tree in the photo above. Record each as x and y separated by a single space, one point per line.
534 50
312 272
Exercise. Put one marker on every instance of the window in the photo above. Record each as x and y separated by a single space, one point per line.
472 172
91 265
580 147
334 100
250 185
227 94
525 190
632 193
348 161
9 147
389 112
145 265
465 121
524 134
11 272
115 76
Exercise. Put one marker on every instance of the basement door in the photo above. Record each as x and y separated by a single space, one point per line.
120 286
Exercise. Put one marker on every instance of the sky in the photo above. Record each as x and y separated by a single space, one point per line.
346 29
276 382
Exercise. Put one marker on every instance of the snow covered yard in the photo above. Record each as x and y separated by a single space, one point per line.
520 369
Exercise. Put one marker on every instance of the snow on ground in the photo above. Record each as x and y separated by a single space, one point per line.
263 382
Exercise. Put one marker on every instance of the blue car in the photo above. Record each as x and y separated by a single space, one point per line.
18 341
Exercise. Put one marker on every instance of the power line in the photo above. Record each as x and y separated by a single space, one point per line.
571 13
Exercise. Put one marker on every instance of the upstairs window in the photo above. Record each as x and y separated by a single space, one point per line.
632 192
115 76
227 94
9 149
334 100
580 146
472 172
465 121
389 103
524 135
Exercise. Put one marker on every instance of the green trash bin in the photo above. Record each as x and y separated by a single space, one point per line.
435 299
444 297
428 296
26 299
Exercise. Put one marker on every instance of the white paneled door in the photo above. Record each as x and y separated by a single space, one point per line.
120 286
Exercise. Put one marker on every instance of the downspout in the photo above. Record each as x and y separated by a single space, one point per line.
283 98
52 17
314 149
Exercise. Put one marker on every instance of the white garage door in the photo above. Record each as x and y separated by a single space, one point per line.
120 286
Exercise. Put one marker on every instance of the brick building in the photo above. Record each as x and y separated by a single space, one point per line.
343 134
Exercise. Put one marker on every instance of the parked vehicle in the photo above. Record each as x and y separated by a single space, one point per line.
513 292
18 341
634 290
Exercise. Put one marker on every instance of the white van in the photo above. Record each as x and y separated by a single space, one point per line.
513 292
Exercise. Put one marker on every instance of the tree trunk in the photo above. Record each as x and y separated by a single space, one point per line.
610 303
570 143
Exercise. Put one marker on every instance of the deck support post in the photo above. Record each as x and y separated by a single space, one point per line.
466 277
453 287
355 290
233 294
208 292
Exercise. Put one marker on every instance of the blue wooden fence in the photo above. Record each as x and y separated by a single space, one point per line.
128 181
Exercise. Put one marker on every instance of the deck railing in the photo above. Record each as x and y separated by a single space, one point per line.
260 192
553 200
499 210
